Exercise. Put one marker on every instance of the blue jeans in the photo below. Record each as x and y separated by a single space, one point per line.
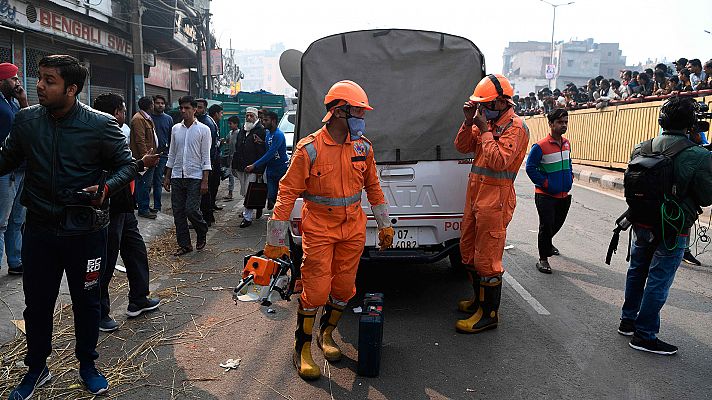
650 274
273 178
13 235
143 190
158 182
7 196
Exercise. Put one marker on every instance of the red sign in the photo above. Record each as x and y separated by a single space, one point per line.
160 75
181 79
87 33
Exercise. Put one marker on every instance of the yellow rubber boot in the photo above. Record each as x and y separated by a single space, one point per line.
470 306
487 314
329 319
302 358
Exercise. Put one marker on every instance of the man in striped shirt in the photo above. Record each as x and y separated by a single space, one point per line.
549 167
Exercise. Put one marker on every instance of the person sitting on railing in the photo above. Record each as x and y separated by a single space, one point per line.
673 84
697 75
708 74
604 94
645 86
621 90
660 83
685 84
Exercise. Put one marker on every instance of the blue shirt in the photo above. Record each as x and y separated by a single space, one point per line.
275 159
163 124
8 109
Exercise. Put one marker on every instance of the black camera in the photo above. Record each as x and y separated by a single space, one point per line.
79 213
702 111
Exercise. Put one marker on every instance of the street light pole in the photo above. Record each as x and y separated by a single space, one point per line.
553 25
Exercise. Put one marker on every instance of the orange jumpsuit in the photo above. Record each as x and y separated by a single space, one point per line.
490 201
333 222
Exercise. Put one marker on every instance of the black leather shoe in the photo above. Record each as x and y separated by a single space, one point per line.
555 251
217 207
245 223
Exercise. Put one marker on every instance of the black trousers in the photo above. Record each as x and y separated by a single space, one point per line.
185 200
552 214
45 257
124 236
207 201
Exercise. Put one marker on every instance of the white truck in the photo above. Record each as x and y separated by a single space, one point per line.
417 82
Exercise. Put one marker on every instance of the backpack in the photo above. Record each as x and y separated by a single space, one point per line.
649 179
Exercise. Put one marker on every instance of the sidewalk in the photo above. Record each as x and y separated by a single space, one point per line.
12 298
608 179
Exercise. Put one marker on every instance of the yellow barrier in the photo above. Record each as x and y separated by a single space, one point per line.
606 137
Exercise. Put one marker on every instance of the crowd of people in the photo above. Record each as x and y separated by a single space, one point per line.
89 169
687 76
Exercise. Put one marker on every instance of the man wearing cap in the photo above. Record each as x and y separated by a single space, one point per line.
498 138
249 147
329 169
12 213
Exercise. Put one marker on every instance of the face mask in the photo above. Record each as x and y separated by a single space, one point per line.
491 114
357 127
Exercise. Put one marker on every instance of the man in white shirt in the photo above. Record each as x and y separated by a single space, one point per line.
186 173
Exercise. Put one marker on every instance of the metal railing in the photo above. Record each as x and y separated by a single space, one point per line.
606 137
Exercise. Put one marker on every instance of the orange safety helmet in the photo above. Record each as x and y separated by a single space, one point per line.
345 92
491 87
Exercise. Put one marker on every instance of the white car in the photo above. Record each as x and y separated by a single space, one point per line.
286 125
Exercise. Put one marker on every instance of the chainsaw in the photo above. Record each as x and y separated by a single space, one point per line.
274 275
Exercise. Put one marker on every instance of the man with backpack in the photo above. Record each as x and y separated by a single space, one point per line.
668 180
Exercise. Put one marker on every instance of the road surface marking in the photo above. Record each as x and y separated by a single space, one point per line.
525 295
599 191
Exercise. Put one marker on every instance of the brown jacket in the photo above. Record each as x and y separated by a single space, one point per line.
142 136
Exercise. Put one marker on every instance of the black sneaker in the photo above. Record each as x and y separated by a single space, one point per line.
627 327
14 270
655 346
690 259
29 383
136 309
147 215
93 380
107 324
555 251
245 223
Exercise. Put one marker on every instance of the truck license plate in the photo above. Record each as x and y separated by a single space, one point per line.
405 238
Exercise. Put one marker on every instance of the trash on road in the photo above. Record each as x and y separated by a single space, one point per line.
358 310
120 268
509 247
216 288
230 364
19 324
271 310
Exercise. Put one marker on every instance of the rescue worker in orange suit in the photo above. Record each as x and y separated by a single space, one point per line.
329 170
499 139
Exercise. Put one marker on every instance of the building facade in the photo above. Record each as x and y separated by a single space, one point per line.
98 34
576 62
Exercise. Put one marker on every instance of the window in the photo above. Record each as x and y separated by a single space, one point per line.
609 54
569 63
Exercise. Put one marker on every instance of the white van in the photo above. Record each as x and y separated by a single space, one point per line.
417 82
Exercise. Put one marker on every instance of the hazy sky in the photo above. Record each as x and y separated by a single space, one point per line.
644 29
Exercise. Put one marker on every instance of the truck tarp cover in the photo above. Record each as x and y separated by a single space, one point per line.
416 82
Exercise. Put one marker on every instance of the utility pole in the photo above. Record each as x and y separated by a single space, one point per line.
208 48
139 89
553 25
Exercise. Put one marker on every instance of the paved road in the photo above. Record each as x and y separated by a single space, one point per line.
560 343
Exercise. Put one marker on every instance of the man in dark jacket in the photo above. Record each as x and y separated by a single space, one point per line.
143 141
206 202
163 123
66 145
249 147
656 251
123 234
